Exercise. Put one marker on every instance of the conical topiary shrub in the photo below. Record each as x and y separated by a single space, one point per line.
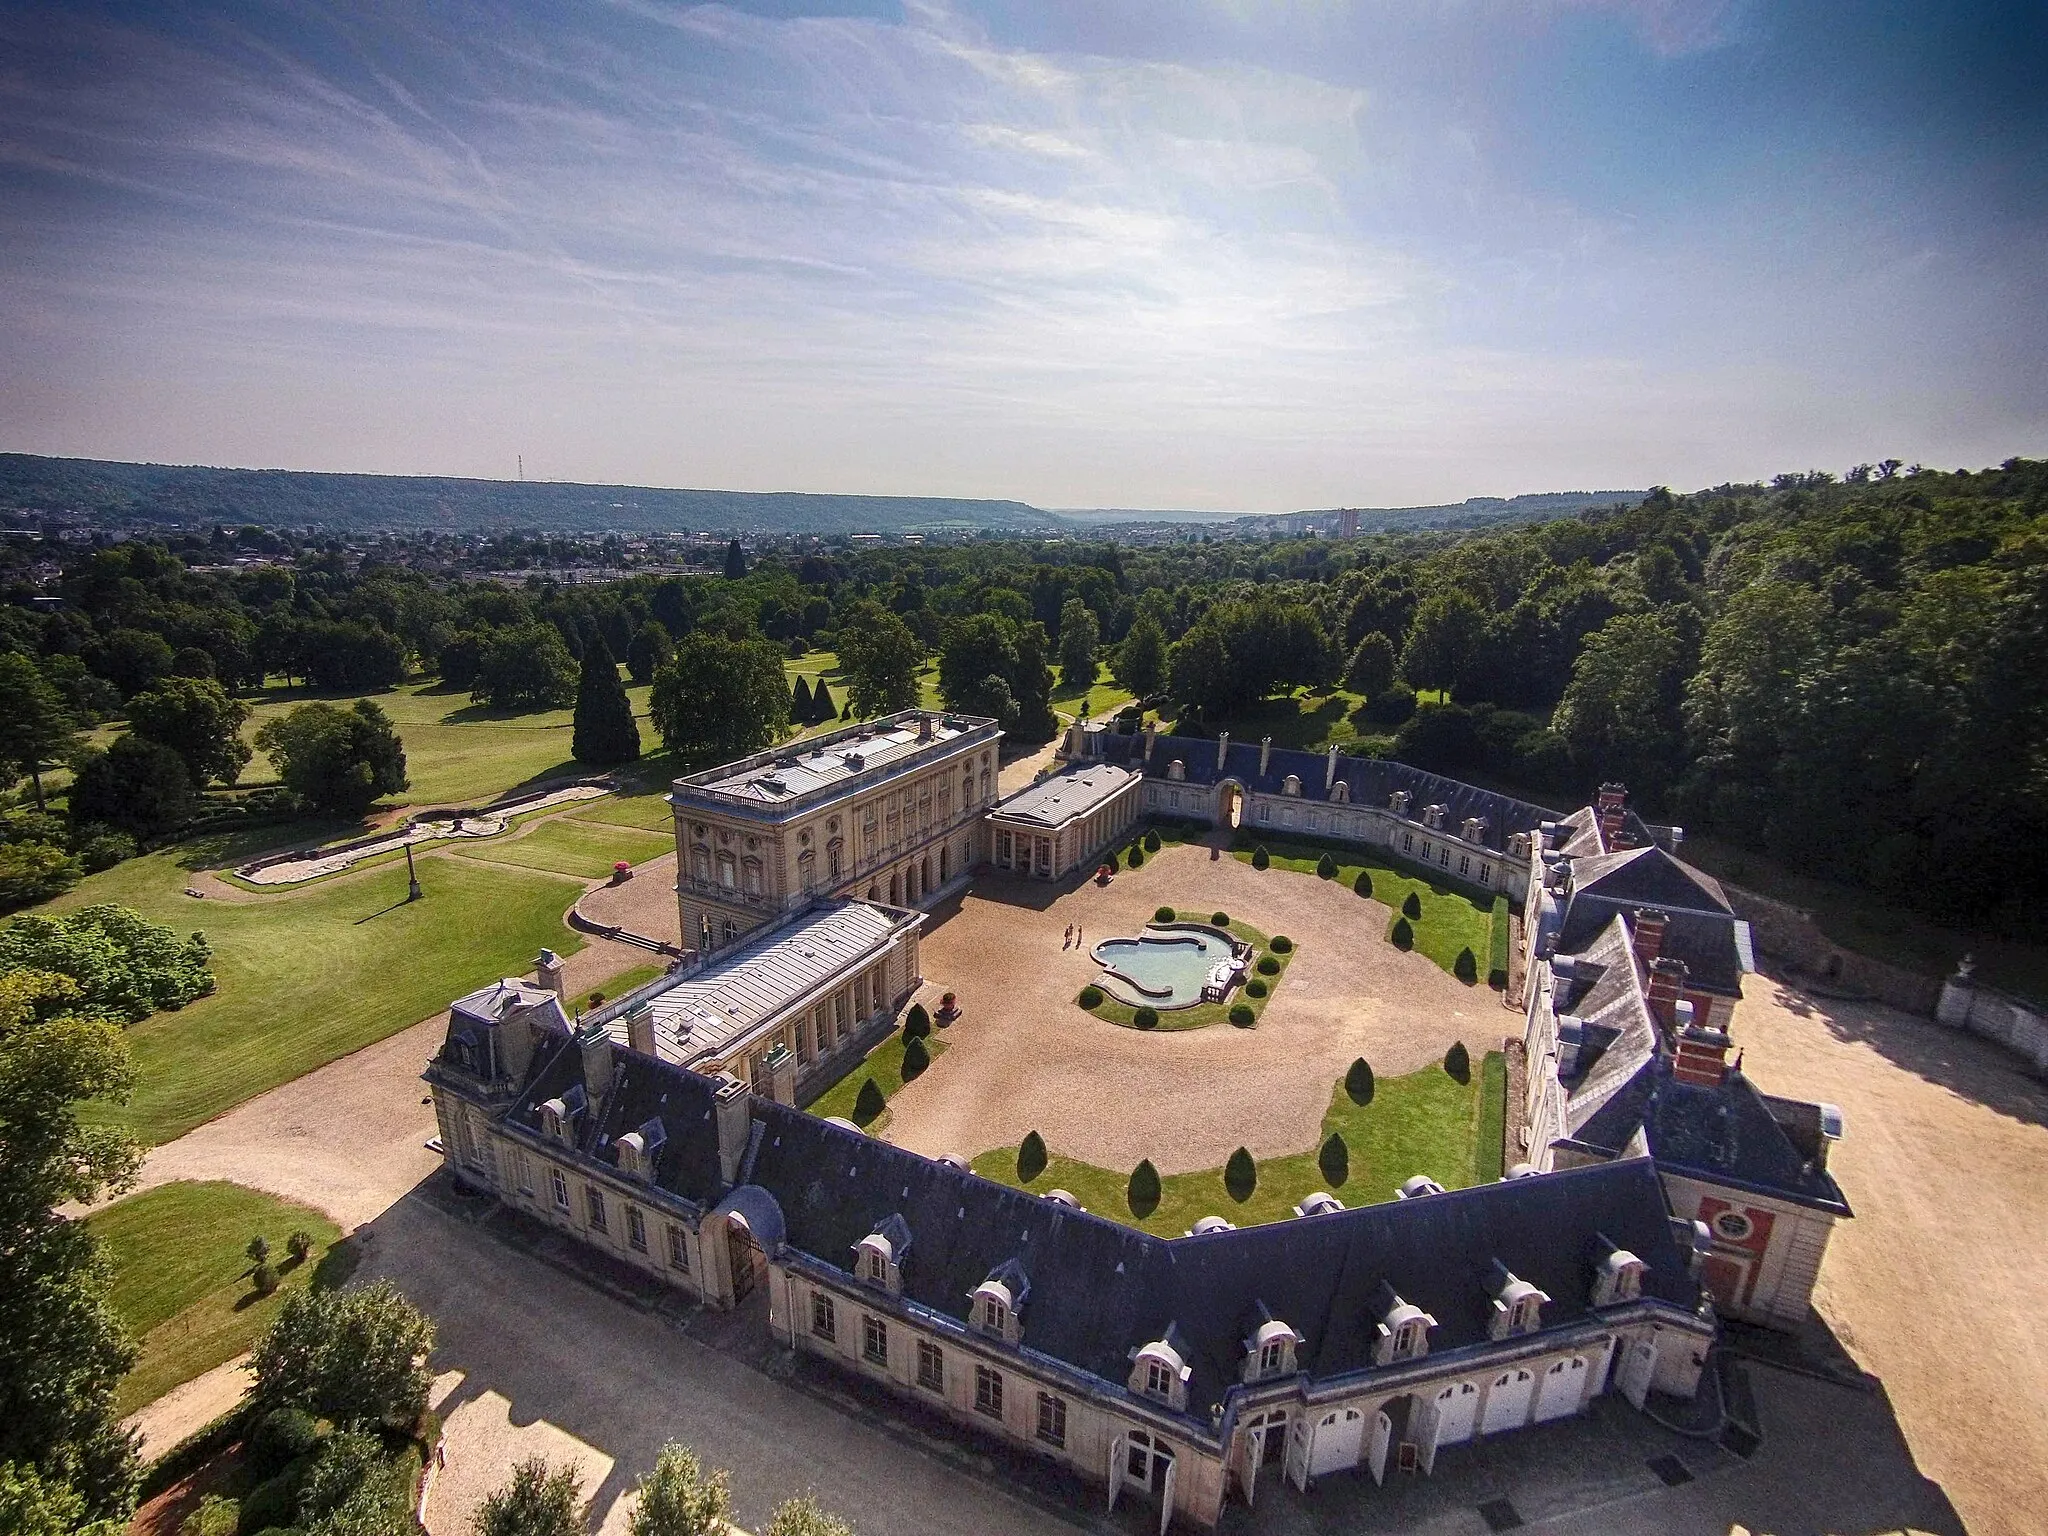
1136 857
800 704
1334 1160
822 707
1458 1062
916 1057
1326 868
1143 1194
1466 966
1030 1157
1412 906
1260 858
1363 884
1358 1082
1151 841
916 1023
869 1103
1402 936
1240 1176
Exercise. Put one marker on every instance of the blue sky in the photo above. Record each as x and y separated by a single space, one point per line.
1239 255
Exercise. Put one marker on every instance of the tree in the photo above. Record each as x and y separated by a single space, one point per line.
735 561
1443 738
132 660
800 704
196 719
680 1496
1335 1160
1326 867
35 727
1240 1176
823 710
1358 1084
1442 641
1080 633
604 733
1411 906
805 1517
1363 884
1030 1157
1370 671
878 661
357 1357
650 647
1260 858
718 699
1620 714
1241 650
1142 1194
869 1103
525 668
63 1351
541 1500
337 760
134 786
916 1023
917 1056
1139 664
1458 1062
32 1505
121 966
1402 935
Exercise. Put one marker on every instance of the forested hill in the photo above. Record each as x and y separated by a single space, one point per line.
194 496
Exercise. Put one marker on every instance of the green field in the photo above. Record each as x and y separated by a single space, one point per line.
570 847
883 1063
650 811
315 974
1102 697
181 1278
1426 1122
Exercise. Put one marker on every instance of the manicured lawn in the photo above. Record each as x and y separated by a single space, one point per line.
570 847
313 975
1202 1015
621 984
884 1063
181 1278
650 812
1426 1122
1103 695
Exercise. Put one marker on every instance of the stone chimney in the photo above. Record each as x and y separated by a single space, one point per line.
640 1030
1667 980
734 1110
1222 749
924 727
1151 735
1702 1056
548 971
1330 769
1649 934
597 1062
1265 754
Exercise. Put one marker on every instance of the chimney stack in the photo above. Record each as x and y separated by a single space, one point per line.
1667 980
1151 735
1649 934
734 1110
640 1030
1611 806
1330 769
597 1063
1222 749
1702 1056
548 971
1265 754
924 727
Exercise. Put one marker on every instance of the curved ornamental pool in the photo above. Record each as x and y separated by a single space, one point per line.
1168 967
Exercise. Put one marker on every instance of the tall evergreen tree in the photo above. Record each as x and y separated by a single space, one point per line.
735 561
800 705
604 733
822 707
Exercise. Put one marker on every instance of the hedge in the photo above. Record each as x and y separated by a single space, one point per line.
1091 997
1497 946
1242 1016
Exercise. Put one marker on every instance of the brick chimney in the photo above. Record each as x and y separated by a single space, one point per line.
1666 981
1702 1056
1265 754
1649 934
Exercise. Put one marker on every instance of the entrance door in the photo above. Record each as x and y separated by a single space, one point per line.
1382 1434
1507 1402
1148 1468
749 1263
1457 1412
1564 1388
1638 1368
1335 1444
1265 1445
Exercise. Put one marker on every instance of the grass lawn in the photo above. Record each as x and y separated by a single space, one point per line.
884 1063
649 812
181 1278
1451 921
313 975
621 984
1204 1014
569 847
1102 696
1426 1122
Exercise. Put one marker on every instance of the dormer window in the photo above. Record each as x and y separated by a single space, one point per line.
1271 1357
1617 1276
878 1267
1517 1306
994 1315
1403 1329
1269 1349
1160 1371
1291 785
878 1257
994 1307
1176 770
1158 1378
1341 792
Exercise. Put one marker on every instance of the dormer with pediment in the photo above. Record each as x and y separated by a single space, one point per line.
1269 1347
995 1308
1402 1332
1617 1275
878 1257
1516 1307
1160 1370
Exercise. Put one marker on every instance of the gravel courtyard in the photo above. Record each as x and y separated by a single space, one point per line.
1024 1056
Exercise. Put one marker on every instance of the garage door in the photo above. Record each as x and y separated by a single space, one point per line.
1564 1388
1339 1435
1457 1412
1507 1401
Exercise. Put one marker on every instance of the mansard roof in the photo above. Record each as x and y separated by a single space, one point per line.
1370 780
1100 1290
1702 929
1620 1036
1648 877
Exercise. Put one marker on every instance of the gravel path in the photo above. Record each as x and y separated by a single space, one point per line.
1024 1056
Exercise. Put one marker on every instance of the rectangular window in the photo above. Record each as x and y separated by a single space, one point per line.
1464 863
1158 1380
679 1249
824 1322
636 1229
561 1186
1407 842
1443 856
1426 846
1486 874
522 1173
988 1392
874 1340
931 1366
593 1202
1052 1419
839 1012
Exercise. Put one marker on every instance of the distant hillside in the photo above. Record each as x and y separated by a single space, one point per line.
197 496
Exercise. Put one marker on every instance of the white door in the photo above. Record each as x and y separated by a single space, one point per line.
1457 1411
1334 1445
1297 1450
1564 1388
1116 1470
1638 1368
1166 1497
1376 1458
1507 1402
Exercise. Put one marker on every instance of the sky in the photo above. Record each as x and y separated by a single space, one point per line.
1236 256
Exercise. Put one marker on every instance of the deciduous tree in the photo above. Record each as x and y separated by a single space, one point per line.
197 719
719 699
337 760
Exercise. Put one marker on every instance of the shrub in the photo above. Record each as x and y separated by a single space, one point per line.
1151 841
917 1023
869 1103
1358 1082
1411 906
273 1503
1143 1194
1268 966
103 850
916 1057
215 1516
1403 936
258 1249
1326 868
342 1465
281 1437
1282 945
1392 706
1220 919
1363 884
541 1500
1334 1160
1240 1176
1466 966
1091 997
1242 1015
265 1279
1030 1157
1135 857
1260 858
1163 915
1146 1018
1458 1062
34 872
1256 988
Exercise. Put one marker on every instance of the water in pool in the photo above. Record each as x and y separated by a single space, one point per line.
1165 969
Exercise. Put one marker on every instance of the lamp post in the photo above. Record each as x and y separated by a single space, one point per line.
412 879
